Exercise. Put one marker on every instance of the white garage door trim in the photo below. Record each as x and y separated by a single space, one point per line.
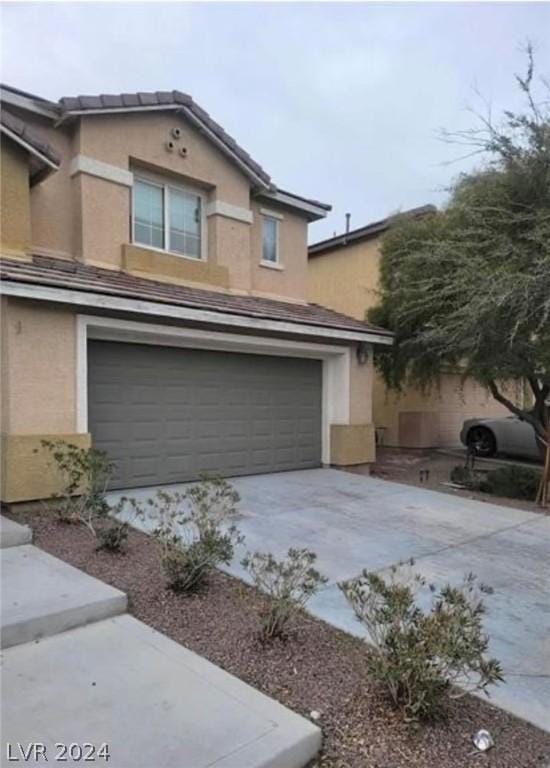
336 360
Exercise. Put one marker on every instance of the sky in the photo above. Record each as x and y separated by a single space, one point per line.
341 102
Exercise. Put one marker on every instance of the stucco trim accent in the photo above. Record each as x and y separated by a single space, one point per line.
158 309
273 214
336 360
106 171
165 266
219 208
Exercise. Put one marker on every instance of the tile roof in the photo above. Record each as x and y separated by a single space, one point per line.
369 230
132 101
48 271
30 136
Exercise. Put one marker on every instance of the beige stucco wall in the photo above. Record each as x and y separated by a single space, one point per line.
88 218
15 221
54 202
39 368
38 393
346 280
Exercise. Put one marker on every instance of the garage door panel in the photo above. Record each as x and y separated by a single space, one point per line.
165 414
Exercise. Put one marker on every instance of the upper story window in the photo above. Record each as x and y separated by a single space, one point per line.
168 217
270 240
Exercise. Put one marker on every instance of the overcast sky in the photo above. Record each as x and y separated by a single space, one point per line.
338 101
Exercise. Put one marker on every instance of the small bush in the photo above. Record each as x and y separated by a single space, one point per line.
193 533
418 656
112 537
85 474
467 477
288 585
512 481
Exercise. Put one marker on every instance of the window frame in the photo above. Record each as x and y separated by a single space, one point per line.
266 262
166 185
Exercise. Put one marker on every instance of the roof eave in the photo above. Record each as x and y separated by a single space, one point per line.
313 211
46 164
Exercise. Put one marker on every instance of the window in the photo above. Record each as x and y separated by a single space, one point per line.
270 240
168 217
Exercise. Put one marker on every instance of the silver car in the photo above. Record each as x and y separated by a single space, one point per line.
487 437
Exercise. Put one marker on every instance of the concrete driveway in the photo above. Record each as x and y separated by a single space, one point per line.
354 522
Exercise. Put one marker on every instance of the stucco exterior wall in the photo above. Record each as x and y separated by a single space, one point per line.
54 202
15 221
346 280
39 349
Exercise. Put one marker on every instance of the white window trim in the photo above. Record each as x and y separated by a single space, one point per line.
264 262
166 184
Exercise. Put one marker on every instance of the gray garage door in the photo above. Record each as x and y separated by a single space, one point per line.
165 414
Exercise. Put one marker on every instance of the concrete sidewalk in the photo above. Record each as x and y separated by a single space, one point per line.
86 678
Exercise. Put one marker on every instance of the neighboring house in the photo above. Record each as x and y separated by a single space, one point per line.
154 302
343 274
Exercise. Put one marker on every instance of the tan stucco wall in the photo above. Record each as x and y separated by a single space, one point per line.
38 394
27 470
291 279
39 368
346 280
449 405
54 202
352 444
15 221
88 218
145 262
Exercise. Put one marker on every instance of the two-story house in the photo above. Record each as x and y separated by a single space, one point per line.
343 274
154 302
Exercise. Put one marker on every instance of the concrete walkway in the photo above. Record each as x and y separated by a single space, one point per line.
87 679
354 522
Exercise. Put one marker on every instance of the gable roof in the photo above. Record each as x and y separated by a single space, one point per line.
76 277
44 159
69 107
161 100
369 230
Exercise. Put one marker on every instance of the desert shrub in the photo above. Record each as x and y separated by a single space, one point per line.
466 476
419 655
194 532
512 481
287 584
85 474
112 536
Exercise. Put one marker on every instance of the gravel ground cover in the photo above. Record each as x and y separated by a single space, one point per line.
318 669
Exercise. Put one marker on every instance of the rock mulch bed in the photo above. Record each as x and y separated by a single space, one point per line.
318 669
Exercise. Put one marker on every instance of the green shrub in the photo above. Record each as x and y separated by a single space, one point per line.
112 536
418 656
85 474
192 531
512 481
287 584
466 476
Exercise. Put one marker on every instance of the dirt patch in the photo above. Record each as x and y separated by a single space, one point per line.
319 668
431 469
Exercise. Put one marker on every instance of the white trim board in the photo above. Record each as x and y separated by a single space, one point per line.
335 359
159 309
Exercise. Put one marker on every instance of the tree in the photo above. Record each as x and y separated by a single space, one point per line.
469 286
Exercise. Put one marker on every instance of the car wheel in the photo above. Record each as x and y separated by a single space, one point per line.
481 442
